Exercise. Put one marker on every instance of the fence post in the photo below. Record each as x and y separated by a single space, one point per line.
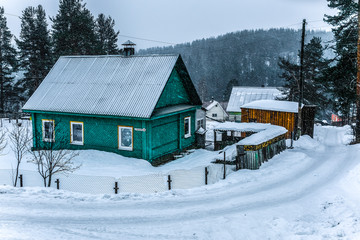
241 156
224 165
206 175
116 188
292 140
169 182
21 180
57 184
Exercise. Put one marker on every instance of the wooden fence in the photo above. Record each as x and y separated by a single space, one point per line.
252 156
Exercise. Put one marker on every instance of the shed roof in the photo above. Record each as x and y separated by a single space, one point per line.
108 85
273 105
264 131
242 95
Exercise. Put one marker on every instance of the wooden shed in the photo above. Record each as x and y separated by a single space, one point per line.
281 113
136 106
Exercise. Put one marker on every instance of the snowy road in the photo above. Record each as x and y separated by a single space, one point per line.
309 192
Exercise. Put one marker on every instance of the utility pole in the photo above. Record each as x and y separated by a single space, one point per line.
301 80
357 128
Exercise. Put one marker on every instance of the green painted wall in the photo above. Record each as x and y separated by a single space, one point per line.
99 133
174 92
162 136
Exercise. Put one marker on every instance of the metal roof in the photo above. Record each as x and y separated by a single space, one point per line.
104 85
242 95
128 42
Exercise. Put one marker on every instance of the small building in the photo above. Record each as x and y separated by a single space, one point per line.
243 95
216 112
281 113
136 106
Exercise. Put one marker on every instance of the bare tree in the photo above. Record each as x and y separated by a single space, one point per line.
3 142
51 159
20 138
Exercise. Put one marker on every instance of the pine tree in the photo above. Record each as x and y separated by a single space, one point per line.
74 30
228 89
315 90
342 73
106 35
7 64
35 49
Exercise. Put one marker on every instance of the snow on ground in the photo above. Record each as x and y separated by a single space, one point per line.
309 192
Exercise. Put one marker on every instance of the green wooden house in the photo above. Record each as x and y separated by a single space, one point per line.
136 106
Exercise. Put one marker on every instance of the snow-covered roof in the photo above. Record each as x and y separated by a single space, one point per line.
263 131
105 85
273 105
241 127
242 95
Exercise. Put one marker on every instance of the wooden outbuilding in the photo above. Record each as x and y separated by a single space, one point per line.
281 113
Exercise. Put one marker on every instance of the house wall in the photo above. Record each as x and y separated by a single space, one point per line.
161 136
99 133
235 116
168 134
200 115
221 115
285 119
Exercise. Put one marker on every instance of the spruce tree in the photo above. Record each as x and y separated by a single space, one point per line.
35 49
342 73
106 35
74 30
315 85
7 64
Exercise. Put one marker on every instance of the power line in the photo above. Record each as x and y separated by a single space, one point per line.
145 39
13 15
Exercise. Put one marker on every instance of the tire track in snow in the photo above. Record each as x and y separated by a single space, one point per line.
205 203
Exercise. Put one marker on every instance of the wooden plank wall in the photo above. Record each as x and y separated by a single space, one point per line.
284 119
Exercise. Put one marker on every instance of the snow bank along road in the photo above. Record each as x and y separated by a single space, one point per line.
309 192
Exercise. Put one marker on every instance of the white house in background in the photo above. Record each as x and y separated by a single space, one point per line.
216 111
243 95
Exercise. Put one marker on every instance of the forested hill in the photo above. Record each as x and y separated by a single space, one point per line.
250 57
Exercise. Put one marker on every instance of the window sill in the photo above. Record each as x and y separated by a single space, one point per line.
126 149
77 143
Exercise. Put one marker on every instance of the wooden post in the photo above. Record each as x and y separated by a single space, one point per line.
57 184
116 188
357 127
21 180
224 165
206 175
241 156
301 80
169 182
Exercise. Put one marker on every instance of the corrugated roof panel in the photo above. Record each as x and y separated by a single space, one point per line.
243 95
104 85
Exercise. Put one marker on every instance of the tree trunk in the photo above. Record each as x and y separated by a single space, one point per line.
49 180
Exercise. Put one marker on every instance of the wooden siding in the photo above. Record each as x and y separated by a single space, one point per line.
99 133
161 136
174 92
285 119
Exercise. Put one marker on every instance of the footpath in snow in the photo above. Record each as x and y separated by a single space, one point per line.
309 192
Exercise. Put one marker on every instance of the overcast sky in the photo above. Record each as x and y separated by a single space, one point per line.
177 21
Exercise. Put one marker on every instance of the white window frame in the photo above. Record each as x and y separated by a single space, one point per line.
189 127
119 138
43 130
72 136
